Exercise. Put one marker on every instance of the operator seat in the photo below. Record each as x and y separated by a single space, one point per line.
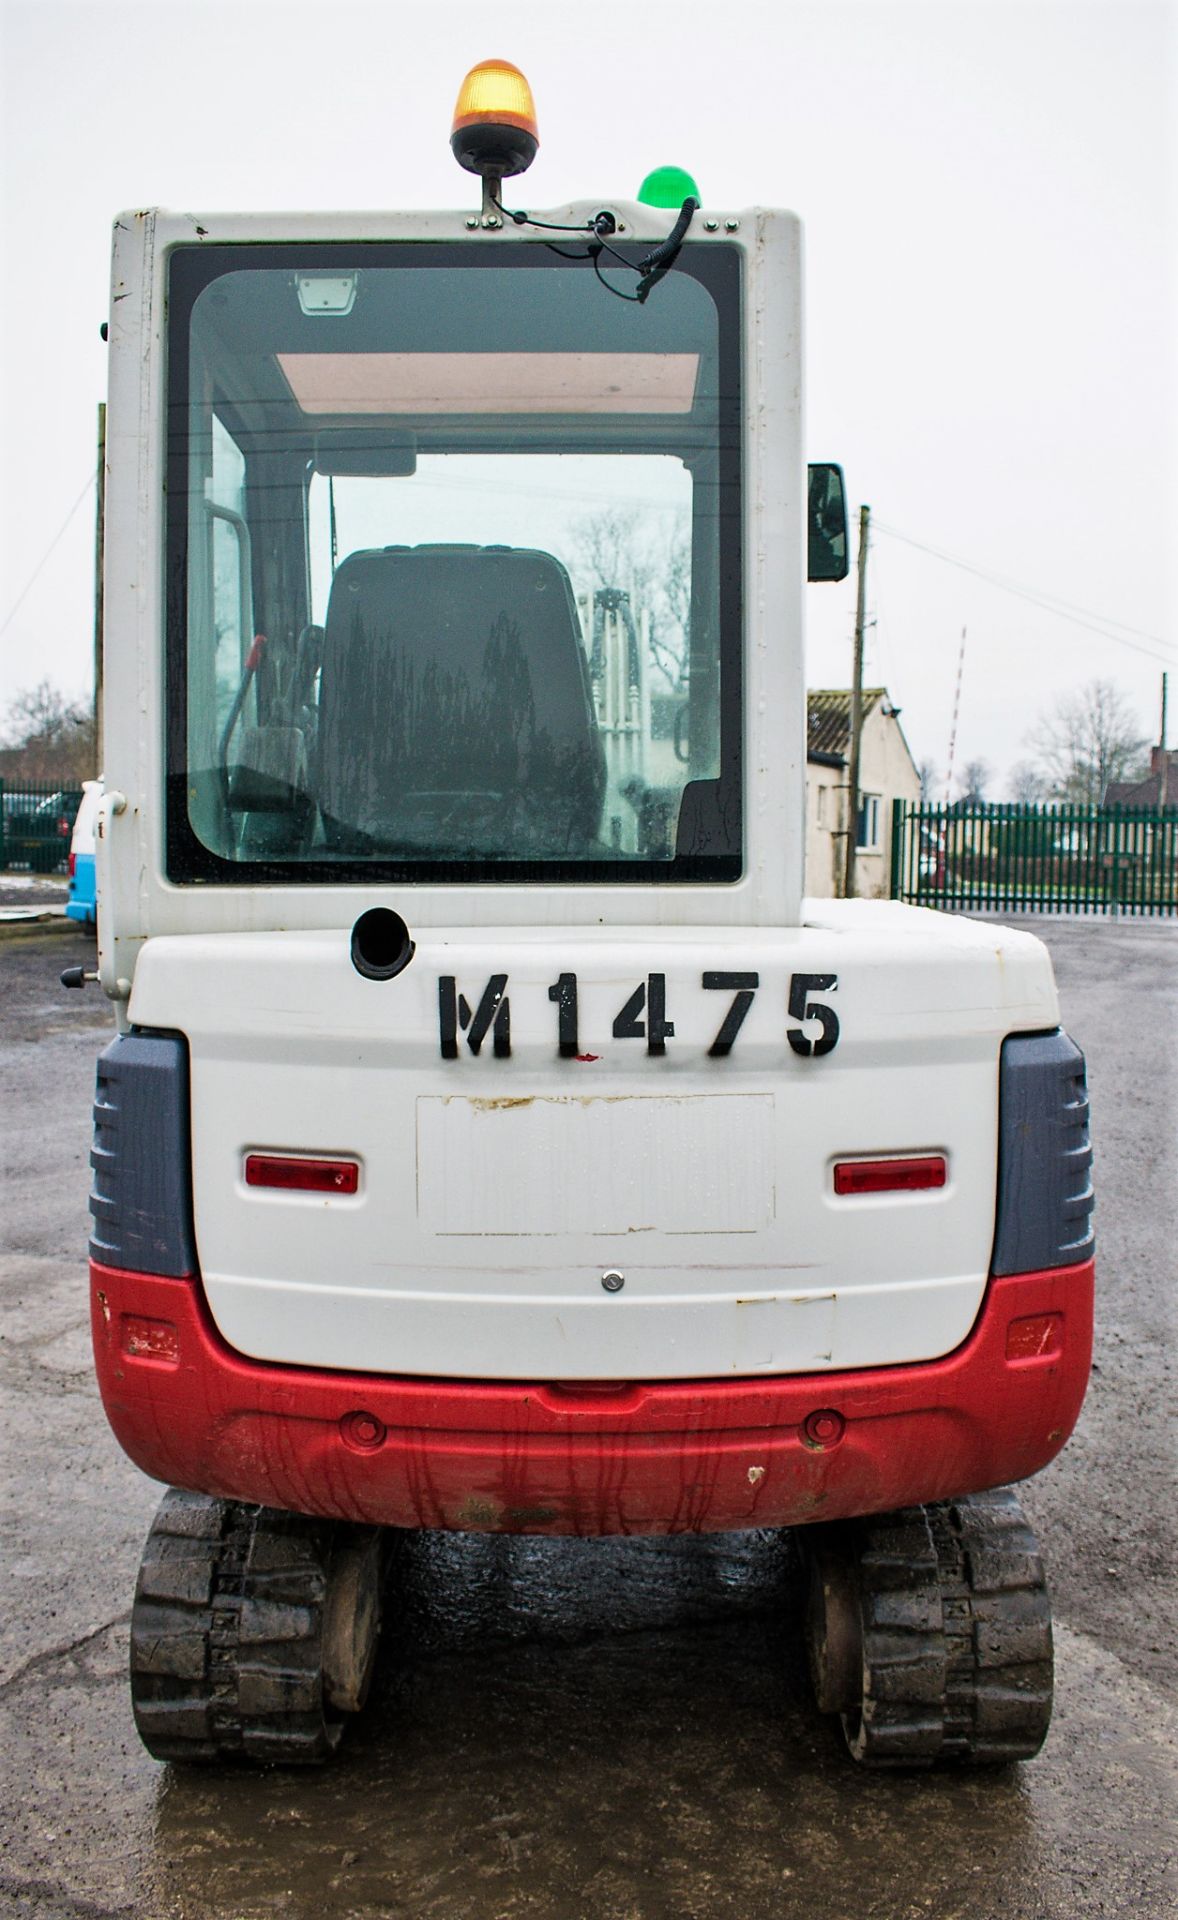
455 715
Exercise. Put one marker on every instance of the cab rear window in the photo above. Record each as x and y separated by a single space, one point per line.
454 565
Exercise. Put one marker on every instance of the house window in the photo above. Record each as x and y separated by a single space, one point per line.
869 812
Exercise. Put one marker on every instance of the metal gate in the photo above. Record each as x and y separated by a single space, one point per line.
36 820
1046 859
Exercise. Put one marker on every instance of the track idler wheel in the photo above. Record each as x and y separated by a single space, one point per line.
253 1632
928 1632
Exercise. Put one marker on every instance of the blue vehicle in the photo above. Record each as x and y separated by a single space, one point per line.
82 904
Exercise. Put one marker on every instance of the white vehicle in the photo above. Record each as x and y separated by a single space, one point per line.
82 905
494 1137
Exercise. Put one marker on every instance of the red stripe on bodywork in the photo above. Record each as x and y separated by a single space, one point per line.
646 1457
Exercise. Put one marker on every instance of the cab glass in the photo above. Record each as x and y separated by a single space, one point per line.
454 565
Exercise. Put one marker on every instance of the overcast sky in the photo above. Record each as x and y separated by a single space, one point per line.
989 200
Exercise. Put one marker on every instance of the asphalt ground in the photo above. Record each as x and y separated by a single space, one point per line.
588 1730
39 896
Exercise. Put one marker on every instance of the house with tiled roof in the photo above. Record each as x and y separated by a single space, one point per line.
1157 792
887 773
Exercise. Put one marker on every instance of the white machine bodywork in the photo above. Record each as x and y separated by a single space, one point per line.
495 1192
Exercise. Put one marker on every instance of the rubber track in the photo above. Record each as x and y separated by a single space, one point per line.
900 1720
956 1627
997 1625
225 1634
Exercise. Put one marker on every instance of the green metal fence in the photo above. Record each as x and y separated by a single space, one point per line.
1060 859
36 820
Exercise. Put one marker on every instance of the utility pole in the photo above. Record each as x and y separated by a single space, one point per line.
99 521
856 708
956 717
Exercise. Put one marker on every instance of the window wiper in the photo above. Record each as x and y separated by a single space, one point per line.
663 258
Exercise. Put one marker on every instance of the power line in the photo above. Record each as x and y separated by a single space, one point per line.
1048 603
37 570
1037 594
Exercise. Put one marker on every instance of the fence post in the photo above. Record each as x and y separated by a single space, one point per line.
894 892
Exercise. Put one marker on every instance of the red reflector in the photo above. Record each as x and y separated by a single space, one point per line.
303 1176
72 864
150 1339
890 1176
1036 1338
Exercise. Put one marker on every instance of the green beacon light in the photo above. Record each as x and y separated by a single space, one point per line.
667 187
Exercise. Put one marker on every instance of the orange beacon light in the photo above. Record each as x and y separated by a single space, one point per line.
494 130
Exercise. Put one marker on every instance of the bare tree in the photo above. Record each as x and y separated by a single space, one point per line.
1087 739
927 771
975 778
610 551
1025 784
654 568
48 736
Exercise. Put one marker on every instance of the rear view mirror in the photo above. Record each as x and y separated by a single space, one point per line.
827 547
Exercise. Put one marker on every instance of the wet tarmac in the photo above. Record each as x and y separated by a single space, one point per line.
563 1728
